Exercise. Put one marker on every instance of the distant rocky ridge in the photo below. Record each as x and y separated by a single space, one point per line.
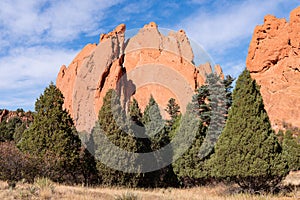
149 63
6 115
274 61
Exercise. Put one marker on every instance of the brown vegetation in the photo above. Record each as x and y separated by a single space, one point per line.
45 189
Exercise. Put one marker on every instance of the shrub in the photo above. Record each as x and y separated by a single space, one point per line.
15 165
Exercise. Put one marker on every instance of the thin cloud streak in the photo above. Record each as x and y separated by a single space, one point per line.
224 28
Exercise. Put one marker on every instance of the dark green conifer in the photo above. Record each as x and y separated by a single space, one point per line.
112 125
247 151
156 131
52 137
291 150
173 109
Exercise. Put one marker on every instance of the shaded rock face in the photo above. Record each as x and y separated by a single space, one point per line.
148 63
274 62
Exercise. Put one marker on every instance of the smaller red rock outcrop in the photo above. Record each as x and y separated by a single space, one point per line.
6 115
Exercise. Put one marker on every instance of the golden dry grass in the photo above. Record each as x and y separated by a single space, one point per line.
28 191
51 191
293 178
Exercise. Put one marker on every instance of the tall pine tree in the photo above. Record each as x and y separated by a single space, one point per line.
53 137
173 109
210 104
157 133
112 125
247 151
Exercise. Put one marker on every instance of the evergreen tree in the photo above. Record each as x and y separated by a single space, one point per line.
13 128
156 131
111 124
190 167
138 129
135 112
218 105
200 103
7 129
173 110
247 151
227 82
176 124
210 104
53 137
291 150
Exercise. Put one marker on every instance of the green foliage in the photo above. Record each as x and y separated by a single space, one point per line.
210 103
158 134
190 168
201 105
247 151
111 124
135 112
291 150
173 110
172 130
52 137
218 105
227 82
153 122
11 129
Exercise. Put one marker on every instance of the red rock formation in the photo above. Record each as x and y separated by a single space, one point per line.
6 115
274 61
149 63
66 77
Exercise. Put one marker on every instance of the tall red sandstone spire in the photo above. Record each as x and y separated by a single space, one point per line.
274 61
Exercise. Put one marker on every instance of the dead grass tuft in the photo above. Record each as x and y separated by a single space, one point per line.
45 189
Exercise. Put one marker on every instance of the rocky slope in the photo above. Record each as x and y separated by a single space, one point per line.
274 61
148 63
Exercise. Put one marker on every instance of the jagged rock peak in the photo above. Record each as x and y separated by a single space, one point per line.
120 29
149 63
274 61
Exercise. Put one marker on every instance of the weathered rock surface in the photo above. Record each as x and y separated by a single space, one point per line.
149 63
274 61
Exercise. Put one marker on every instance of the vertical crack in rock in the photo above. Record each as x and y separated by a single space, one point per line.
126 67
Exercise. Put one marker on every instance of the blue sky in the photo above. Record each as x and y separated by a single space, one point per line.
38 36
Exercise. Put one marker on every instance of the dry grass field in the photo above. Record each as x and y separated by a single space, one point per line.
44 189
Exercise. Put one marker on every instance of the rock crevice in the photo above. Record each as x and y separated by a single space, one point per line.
149 63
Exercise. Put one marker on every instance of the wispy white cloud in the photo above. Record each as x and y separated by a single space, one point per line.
26 71
27 67
234 68
34 21
32 34
225 26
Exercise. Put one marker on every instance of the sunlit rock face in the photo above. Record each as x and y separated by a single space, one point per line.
149 63
274 62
